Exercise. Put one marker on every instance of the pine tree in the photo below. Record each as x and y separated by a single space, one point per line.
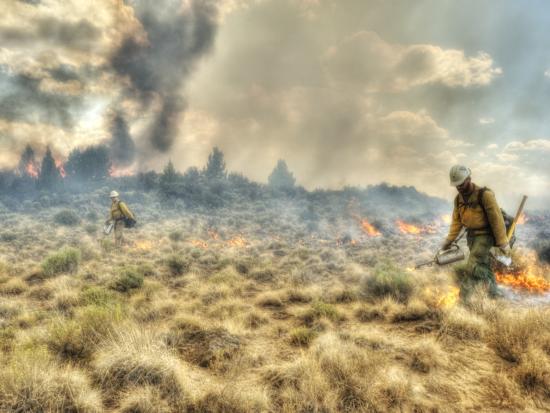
49 174
169 180
281 177
215 167
89 164
28 167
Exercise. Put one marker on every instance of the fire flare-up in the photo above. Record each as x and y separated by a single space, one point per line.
449 299
116 172
369 229
237 241
144 245
61 168
527 276
412 229
199 243
32 170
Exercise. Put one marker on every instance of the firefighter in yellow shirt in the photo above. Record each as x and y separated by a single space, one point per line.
119 214
477 210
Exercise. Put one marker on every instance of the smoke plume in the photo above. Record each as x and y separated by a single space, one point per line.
123 149
177 36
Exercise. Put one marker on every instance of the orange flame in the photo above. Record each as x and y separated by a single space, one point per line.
369 229
61 168
449 299
522 219
443 298
213 234
527 275
237 241
407 228
32 170
116 172
144 245
199 243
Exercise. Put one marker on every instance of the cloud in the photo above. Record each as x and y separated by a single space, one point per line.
486 121
365 59
534 145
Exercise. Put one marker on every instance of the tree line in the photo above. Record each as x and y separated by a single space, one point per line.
90 167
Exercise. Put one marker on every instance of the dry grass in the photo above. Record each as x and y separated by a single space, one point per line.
463 325
138 358
278 325
514 333
31 382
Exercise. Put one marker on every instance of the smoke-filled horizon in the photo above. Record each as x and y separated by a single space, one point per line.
348 92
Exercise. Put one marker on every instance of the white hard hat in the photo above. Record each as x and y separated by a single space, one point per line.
458 174
114 194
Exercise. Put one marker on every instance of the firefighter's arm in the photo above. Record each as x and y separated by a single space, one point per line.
456 226
496 220
126 211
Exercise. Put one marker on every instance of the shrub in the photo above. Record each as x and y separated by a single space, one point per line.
386 280
98 296
146 270
176 236
90 229
92 216
302 336
512 334
233 399
366 314
318 310
107 245
128 279
533 374
8 236
14 286
134 358
463 325
177 265
206 347
31 382
146 399
78 338
426 355
64 261
66 218
415 310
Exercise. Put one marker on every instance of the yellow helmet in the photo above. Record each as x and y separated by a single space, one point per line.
114 194
458 174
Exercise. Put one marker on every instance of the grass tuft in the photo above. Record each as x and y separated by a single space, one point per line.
387 280
65 260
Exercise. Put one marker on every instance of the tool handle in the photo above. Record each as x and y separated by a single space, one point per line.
512 228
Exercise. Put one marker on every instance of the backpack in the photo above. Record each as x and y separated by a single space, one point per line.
128 222
508 219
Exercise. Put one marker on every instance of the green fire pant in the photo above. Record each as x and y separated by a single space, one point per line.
478 269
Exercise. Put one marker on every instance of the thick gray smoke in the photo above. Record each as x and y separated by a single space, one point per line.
177 37
123 149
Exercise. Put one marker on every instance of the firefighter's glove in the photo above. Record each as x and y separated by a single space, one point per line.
505 249
446 245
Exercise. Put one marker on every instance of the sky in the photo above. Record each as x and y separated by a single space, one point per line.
348 92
